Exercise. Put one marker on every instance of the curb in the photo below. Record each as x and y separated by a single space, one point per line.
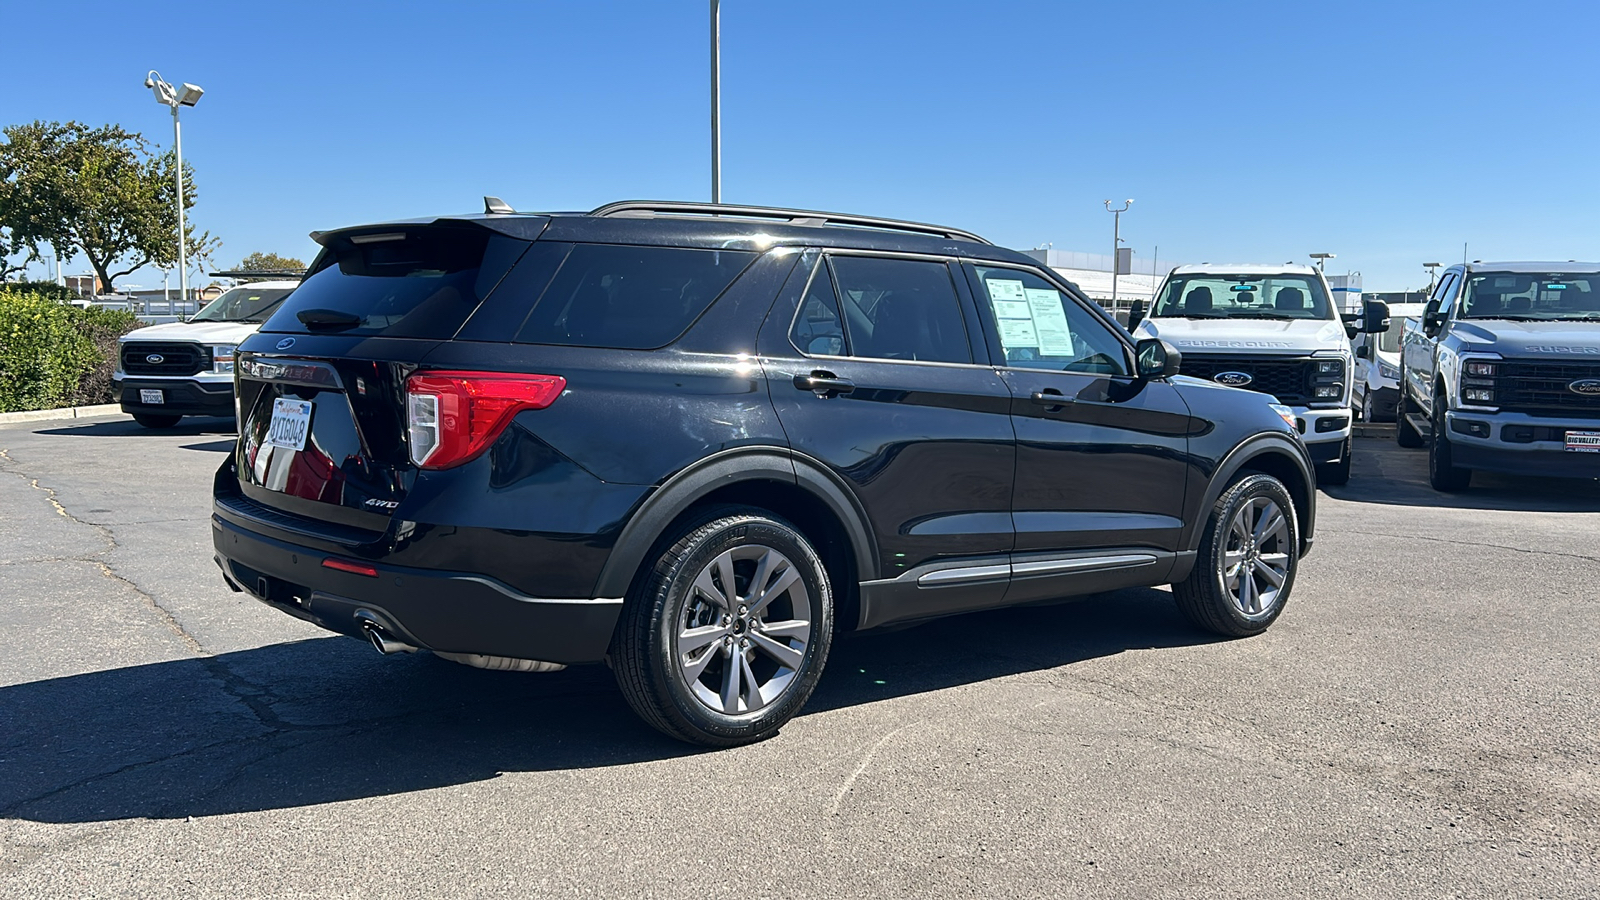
66 412
1374 429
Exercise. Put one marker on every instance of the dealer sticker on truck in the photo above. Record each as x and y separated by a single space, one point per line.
1584 441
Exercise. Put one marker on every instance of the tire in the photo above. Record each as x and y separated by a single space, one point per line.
1205 598
749 678
1336 474
1443 473
1404 434
150 420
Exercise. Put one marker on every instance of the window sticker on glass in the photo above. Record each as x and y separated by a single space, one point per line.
1050 322
1017 334
1009 299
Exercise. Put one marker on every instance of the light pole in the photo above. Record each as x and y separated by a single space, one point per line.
1430 267
167 95
1116 243
716 101
1321 258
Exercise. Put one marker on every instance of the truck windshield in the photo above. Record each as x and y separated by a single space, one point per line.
1218 296
243 304
1521 295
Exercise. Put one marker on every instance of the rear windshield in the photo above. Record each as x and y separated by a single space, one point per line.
629 298
1209 296
242 304
409 282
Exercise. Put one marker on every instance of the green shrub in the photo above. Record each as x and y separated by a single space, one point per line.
52 354
102 327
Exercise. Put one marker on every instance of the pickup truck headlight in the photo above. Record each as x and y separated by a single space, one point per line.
1478 381
1327 380
1327 391
222 358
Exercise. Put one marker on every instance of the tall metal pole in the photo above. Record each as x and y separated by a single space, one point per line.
1116 244
183 252
716 101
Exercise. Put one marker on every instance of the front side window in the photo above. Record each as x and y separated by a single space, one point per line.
902 309
1042 328
1533 297
1221 296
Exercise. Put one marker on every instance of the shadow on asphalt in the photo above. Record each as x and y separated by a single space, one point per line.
222 446
1386 473
326 720
188 426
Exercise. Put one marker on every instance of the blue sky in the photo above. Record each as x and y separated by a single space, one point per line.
1388 133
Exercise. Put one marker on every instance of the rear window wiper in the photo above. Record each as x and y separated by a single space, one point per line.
328 318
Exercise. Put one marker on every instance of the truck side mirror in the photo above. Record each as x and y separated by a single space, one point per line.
1375 317
1432 321
1157 359
1135 314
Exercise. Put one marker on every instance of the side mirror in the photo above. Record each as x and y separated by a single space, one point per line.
1157 359
1136 314
1432 322
1375 317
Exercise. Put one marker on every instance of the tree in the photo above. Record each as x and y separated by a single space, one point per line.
270 262
95 190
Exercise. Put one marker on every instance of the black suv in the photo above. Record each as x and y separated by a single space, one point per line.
694 441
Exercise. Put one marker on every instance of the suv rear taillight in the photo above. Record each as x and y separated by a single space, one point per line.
452 417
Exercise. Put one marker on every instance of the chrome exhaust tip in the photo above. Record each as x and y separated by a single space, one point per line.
381 640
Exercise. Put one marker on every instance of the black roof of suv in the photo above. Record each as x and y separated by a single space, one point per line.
694 441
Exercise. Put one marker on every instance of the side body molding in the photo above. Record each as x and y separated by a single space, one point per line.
721 470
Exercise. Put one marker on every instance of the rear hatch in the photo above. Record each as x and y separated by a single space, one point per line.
322 404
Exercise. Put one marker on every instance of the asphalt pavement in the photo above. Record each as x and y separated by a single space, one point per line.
1422 722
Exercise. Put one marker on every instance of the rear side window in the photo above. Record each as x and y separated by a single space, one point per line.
409 282
901 309
629 298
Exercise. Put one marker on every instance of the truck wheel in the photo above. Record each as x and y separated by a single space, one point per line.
1404 434
726 634
1337 473
149 420
1247 561
1443 473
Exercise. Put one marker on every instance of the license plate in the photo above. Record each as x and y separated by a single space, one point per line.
152 397
1583 441
291 422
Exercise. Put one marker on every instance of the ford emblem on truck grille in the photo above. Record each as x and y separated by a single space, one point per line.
1233 379
156 359
1589 387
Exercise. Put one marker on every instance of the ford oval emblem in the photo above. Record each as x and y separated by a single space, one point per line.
156 359
286 343
1589 387
1233 379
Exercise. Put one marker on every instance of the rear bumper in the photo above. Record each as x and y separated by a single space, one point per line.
183 398
434 610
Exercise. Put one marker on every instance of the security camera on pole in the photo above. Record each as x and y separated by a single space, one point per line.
167 95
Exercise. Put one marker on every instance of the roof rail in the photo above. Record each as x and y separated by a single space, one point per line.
649 208
262 274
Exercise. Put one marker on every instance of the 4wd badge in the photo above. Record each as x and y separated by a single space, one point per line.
1233 379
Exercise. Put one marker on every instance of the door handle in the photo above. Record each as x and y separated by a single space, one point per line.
824 384
1050 398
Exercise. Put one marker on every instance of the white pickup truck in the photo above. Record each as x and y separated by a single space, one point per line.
166 372
1272 329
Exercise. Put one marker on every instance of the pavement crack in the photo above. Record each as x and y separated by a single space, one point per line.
866 761
8 463
1460 543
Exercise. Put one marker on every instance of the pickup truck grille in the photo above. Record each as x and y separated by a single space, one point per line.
1540 388
1286 377
163 358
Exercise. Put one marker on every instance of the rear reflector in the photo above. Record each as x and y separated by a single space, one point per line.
354 568
452 417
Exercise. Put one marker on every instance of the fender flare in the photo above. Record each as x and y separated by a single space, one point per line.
719 470
1253 448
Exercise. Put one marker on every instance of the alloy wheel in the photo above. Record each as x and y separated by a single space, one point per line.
743 631
1255 562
